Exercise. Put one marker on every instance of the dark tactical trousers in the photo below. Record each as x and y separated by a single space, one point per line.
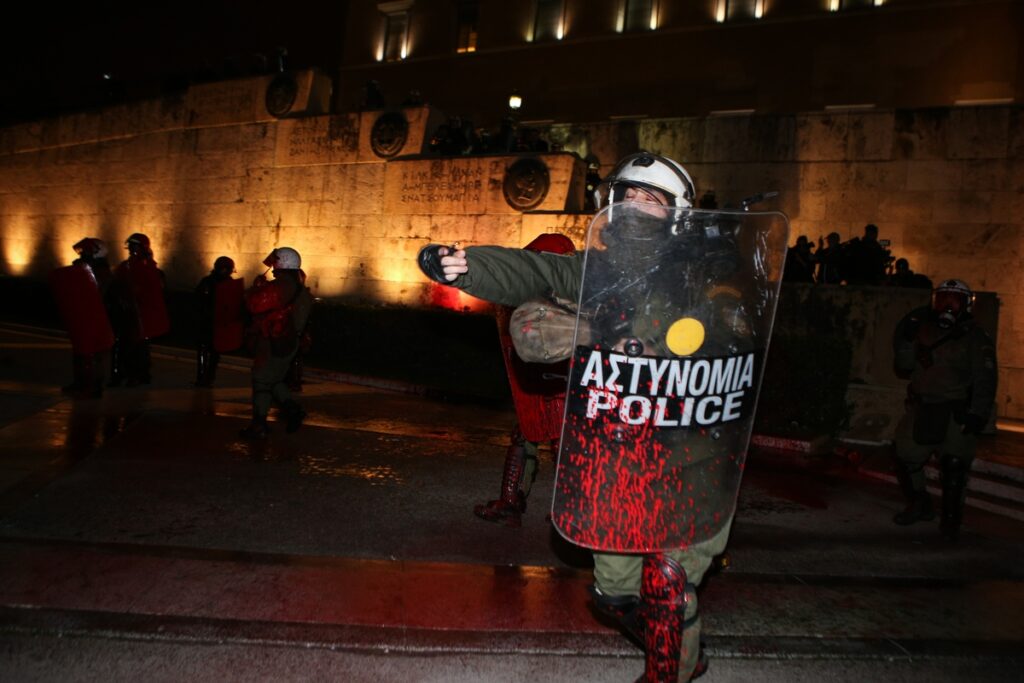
914 455
617 574
268 384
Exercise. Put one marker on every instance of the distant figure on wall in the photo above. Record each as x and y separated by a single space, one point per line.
78 290
865 259
221 318
139 313
903 276
279 309
830 260
799 265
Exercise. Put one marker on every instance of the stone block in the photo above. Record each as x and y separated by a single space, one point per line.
280 213
982 133
257 138
1008 207
78 129
383 135
358 187
943 176
317 140
964 208
809 207
226 102
209 190
888 176
921 134
821 137
224 215
904 206
297 184
224 139
993 175
26 136
824 176
475 185
870 136
257 184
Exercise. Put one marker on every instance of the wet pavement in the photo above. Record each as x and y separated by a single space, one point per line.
139 531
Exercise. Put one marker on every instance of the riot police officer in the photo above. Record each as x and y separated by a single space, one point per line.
219 306
279 309
951 364
139 312
79 290
653 595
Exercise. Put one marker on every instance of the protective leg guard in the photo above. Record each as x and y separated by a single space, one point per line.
954 490
662 612
509 508
919 503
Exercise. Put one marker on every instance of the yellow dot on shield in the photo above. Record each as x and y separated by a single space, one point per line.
685 336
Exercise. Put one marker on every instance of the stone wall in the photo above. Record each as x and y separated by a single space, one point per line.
212 173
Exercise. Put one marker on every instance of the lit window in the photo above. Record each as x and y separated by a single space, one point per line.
639 15
395 45
738 10
836 5
548 23
465 40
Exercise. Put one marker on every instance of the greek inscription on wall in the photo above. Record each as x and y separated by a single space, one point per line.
442 183
316 140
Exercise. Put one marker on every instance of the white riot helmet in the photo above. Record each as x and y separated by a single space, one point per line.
283 258
952 299
650 172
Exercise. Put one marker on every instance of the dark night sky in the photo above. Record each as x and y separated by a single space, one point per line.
53 60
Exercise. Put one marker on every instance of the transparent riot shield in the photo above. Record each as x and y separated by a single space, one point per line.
675 314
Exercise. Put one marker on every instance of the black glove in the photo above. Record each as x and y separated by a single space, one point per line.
429 260
973 424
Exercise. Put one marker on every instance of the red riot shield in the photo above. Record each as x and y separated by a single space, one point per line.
146 288
228 319
675 314
81 308
538 389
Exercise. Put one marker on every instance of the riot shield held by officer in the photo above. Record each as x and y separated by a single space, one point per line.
951 364
675 307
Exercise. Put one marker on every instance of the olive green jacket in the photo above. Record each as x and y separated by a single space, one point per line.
511 277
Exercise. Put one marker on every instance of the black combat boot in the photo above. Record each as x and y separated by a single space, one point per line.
919 504
293 416
257 429
954 491
509 508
